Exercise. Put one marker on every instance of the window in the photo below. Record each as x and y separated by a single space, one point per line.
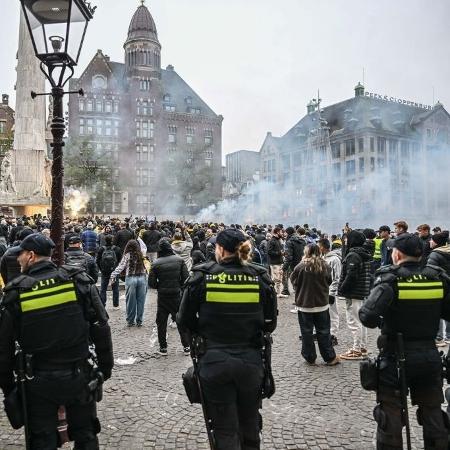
360 145
108 106
208 137
99 106
190 135
142 176
116 106
116 128
349 147
99 82
361 165
194 110
144 85
372 144
172 134
167 98
336 150
372 164
142 153
108 125
350 168
81 126
188 100
145 108
381 163
381 146
90 126
90 105
80 105
208 155
169 108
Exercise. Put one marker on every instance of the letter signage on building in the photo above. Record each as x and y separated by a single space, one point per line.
400 101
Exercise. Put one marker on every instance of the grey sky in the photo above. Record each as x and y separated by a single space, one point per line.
258 62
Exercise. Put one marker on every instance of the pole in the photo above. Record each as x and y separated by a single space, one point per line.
57 194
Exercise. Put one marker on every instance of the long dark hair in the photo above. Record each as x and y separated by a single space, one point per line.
136 263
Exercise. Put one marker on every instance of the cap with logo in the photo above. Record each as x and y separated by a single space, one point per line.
37 243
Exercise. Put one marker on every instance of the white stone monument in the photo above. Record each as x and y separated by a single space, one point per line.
24 183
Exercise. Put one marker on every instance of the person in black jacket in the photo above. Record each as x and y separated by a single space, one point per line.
123 236
54 314
440 257
107 265
293 254
167 275
355 284
9 266
75 256
409 300
151 238
228 305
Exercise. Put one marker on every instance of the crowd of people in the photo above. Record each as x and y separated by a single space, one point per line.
320 269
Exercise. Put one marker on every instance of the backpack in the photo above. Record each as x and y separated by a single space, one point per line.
108 261
77 260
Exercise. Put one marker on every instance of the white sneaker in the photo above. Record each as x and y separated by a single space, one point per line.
294 311
283 296
172 324
116 308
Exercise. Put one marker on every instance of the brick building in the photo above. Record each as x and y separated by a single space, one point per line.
6 125
164 140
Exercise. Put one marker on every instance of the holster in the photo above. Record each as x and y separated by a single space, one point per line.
191 385
95 385
268 387
13 409
368 372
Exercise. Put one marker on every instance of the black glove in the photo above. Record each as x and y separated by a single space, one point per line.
331 299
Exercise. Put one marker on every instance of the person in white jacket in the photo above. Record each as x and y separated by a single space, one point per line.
182 246
334 259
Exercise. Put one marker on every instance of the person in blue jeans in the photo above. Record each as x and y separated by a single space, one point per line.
135 282
108 258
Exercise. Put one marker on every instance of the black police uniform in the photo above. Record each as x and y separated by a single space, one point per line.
409 300
230 305
54 314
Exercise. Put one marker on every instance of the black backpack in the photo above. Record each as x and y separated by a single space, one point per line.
108 261
76 259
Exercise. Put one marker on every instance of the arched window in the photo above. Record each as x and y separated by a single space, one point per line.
99 82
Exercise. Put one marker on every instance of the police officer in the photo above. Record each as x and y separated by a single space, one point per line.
409 300
230 304
54 314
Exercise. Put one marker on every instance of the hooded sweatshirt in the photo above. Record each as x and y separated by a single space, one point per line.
183 249
356 277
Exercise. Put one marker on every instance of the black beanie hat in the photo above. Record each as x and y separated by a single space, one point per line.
440 238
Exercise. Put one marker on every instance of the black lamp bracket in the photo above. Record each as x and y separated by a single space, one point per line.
79 92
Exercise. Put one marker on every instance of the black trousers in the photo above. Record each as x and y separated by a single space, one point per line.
168 306
231 383
423 371
45 394
321 322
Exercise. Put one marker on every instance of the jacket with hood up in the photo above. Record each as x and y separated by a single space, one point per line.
356 277
294 248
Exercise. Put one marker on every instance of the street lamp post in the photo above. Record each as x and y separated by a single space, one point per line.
57 29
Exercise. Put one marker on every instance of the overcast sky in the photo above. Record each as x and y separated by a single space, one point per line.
258 62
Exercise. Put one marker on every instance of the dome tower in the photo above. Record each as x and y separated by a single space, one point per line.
142 47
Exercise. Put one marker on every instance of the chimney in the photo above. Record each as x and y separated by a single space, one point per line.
311 107
107 58
5 99
359 90
170 67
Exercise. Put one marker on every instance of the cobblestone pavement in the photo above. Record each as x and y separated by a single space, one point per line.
144 404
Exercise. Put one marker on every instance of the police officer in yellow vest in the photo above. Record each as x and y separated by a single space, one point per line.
230 304
409 300
54 314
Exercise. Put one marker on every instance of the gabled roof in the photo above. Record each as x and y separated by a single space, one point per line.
179 91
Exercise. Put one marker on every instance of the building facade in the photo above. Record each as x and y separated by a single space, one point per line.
242 170
367 158
164 141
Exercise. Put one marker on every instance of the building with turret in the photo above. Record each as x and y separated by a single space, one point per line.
164 141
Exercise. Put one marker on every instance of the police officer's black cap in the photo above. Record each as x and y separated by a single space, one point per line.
409 244
74 240
36 242
229 239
